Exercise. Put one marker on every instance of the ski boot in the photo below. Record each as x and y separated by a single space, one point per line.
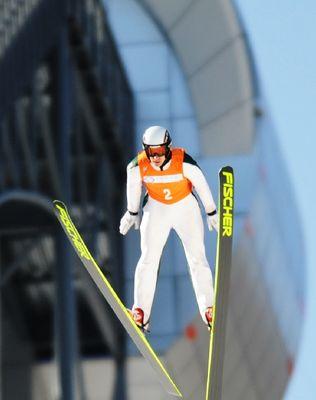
138 317
209 317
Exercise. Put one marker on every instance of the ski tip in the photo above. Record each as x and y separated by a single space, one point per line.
226 168
59 207
58 203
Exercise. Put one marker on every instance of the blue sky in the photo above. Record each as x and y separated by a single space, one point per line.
282 37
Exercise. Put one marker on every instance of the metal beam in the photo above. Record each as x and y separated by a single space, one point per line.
82 170
22 131
9 154
88 114
44 105
2 163
1 329
66 333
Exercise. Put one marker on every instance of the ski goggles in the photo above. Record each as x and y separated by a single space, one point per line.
156 150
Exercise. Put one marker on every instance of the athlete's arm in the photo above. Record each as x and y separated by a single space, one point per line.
192 171
133 186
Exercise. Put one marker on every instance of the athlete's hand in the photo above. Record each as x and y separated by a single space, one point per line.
212 222
127 221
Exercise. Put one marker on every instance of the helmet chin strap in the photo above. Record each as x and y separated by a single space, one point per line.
167 159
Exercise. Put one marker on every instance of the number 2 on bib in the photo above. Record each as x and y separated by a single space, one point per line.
167 193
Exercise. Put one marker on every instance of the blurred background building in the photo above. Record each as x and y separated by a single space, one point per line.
80 80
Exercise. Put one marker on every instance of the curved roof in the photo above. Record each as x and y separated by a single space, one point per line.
211 49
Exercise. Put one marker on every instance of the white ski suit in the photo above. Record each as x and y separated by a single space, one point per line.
160 216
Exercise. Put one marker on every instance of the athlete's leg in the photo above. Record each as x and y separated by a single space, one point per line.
154 231
189 226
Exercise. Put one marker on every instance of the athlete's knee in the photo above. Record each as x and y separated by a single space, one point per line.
147 265
197 264
198 258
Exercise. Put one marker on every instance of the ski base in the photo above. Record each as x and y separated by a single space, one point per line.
222 284
114 301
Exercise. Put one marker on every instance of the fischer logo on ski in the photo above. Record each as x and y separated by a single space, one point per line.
228 203
73 234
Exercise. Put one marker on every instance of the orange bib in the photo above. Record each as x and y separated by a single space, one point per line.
168 186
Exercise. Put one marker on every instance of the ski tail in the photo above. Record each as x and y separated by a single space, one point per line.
222 284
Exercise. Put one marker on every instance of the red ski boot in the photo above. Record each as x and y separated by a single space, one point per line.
209 316
138 317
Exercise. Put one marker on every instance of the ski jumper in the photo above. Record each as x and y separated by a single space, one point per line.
170 205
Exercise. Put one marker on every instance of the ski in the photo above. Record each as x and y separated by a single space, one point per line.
222 284
114 301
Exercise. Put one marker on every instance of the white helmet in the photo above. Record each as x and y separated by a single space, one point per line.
156 136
